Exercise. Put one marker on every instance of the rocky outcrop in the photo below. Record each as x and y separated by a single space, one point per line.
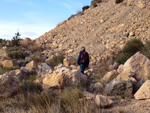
144 91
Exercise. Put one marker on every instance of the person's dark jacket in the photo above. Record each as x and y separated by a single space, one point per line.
79 59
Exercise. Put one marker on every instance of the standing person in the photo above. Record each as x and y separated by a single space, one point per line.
83 59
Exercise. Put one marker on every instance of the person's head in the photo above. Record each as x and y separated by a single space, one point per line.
82 48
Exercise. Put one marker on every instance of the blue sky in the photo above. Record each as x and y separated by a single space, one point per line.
35 17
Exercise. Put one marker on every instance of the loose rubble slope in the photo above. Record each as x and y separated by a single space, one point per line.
103 30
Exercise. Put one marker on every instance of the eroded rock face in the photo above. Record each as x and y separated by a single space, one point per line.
137 64
119 87
144 91
103 101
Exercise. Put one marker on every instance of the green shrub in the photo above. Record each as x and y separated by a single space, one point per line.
118 1
94 4
133 46
85 8
122 58
17 55
56 60
4 70
15 41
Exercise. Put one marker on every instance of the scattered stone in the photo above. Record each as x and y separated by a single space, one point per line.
10 63
103 101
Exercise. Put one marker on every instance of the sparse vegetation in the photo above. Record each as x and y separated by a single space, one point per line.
56 60
122 58
4 70
118 1
130 48
33 47
85 8
17 55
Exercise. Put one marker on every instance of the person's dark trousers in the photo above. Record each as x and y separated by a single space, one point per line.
82 68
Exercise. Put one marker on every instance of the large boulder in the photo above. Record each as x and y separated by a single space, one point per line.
10 63
137 64
144 91
63 77
9 83
110 76
44 69
103 101
54 81
119 87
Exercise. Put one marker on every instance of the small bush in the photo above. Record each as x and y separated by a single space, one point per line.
85 8
133 46
122 58
56 60
4 70
118 1
33 47
30 86
17 55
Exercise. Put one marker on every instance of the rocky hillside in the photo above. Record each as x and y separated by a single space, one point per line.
102 30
